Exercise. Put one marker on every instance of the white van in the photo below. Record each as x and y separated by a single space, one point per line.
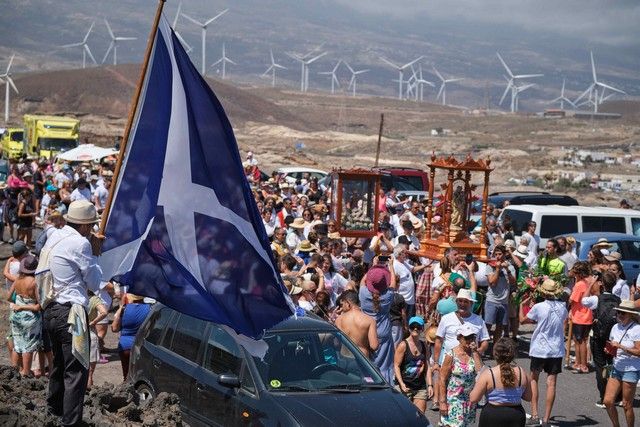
563 220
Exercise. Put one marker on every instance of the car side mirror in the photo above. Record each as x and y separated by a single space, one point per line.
229 380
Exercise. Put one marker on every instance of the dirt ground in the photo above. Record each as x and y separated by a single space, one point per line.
110 402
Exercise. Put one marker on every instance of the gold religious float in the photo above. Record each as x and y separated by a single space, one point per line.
448 220
353 201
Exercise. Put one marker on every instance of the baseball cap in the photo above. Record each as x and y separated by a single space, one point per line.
416 319
466 330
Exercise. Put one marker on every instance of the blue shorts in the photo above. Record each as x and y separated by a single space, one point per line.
496 314
626 376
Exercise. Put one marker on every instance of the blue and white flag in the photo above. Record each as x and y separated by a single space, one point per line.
184 228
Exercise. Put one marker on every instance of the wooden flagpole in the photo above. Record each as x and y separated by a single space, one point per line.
379 139
132 114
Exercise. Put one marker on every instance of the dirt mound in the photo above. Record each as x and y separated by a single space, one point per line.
23 403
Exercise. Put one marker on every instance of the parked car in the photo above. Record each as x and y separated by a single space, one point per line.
529 198
627 245
564 220
311 374
417 177
294 173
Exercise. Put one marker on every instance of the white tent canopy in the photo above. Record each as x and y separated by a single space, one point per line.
86 153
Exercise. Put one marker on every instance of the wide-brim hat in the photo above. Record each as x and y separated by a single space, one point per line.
417 224
510 243
299 223
613 257
306 246
377 279
522 252
550 287
28 264
466 330
295 290
602 243
81 212
628 306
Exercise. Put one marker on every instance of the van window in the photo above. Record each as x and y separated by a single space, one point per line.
519 219
603 223
223 356
556 225
630 251
635 226
157 323
188 336
416 181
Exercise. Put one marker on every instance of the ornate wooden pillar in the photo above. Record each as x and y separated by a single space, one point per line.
447 204
485 197
432 177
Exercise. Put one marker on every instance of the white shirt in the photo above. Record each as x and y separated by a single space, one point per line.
81 194
624 361
621 289
547 341
73 266
102 194
448 331
406 285
293 241
61 178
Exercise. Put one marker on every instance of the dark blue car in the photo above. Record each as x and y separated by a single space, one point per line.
311 375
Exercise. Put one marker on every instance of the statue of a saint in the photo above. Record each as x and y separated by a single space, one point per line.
458 209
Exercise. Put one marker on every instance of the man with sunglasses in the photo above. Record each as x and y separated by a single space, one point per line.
447 334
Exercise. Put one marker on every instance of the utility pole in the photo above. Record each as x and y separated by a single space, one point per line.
379 138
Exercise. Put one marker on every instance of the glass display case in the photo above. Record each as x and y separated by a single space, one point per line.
354 206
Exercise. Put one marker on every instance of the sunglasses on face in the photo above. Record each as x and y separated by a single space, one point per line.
470 338
415 327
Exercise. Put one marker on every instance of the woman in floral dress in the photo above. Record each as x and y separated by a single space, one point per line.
457 378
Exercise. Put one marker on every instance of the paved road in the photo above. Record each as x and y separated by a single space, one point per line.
576 395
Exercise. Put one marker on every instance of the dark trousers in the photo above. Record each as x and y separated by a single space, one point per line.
68 379
600 360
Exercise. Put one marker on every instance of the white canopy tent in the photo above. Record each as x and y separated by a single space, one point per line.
86 153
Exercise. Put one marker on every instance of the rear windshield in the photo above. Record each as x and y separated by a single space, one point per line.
603 223
556 225
519 219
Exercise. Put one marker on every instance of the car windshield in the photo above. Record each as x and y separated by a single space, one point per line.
57 144
310 361
16 136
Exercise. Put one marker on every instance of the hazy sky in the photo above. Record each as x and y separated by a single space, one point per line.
615 22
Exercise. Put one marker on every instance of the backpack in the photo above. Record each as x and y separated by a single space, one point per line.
605 315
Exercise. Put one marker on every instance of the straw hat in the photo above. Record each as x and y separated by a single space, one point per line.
306 246
510 243
417 224
550 288
81 212
299 223
334 235
465 294
628 306
295 290
602 243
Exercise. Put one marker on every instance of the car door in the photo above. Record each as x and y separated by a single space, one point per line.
178 363
214 404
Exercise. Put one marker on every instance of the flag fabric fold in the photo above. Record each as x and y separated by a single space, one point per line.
183 227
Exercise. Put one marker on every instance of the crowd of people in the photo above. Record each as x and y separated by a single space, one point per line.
48 314
442 331
431 325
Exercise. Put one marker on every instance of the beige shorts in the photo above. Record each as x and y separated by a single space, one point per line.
415 394
94 350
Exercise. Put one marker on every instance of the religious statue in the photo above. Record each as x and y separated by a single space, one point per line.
458 209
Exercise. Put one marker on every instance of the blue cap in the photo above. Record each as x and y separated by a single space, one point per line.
52 187
416 319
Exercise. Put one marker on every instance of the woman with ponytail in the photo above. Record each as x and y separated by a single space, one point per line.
505 386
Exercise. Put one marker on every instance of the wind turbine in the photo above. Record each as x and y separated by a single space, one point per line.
593 91
85 47
223 60
334 77
562 98
401 69
8 81
304 67
273 68
515 97
354 78
443 87
511 81
421 82
114 44
187 47
204 26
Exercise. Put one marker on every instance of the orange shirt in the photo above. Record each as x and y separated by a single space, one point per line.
580 314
